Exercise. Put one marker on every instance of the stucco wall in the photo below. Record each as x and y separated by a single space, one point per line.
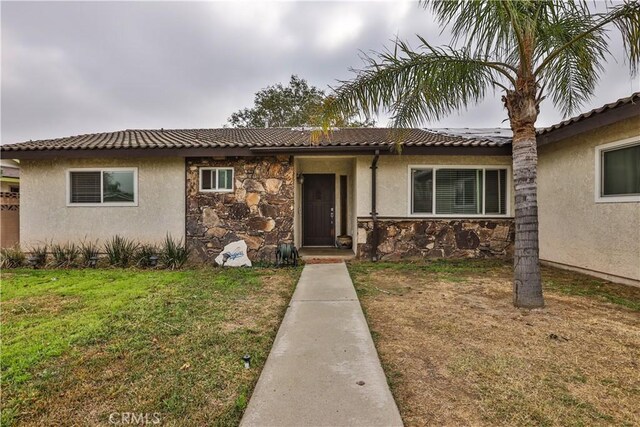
574 229
393 176
45 216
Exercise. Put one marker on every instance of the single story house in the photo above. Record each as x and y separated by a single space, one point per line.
449 193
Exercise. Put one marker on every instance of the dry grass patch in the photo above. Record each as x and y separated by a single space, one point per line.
457 352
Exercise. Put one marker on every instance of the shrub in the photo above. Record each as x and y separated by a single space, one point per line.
39 254
174 253
11 257
88 250
65 255
120 251
144 253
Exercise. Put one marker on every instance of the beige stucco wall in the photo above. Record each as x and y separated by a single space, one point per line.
45 216
393 180
574 229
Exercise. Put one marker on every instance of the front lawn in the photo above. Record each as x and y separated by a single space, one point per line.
79 345
456 352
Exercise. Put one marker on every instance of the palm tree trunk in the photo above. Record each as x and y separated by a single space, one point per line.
527 287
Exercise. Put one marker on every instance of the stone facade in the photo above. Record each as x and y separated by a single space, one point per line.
438 238
259 210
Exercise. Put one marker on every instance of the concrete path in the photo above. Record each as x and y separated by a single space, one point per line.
323 369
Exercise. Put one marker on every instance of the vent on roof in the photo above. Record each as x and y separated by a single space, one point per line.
312 128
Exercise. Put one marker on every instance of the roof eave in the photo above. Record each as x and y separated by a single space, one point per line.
586 124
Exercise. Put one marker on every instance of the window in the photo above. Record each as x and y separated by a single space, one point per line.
102 187
466 191
216 179
618 171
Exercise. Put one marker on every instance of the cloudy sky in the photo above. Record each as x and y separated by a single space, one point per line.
82 67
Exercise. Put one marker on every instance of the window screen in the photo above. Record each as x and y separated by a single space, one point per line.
216 179
621 171
85 187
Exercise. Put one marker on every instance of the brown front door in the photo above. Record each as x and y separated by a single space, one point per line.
318 210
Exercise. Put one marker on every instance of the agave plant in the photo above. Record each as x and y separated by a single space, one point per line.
11 257
66 255
120 251
174 253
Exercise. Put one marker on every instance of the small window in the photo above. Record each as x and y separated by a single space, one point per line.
459 191
620 171
14 189
216 179
108 187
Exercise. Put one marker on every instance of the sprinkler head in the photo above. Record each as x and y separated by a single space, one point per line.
33 261
247 361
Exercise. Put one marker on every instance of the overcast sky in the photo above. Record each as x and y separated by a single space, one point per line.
81 67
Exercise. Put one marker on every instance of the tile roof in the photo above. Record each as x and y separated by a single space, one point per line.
255 138
635 97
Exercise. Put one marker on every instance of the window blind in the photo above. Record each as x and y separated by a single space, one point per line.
459 191
85 187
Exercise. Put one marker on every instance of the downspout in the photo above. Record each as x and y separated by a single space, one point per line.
374 212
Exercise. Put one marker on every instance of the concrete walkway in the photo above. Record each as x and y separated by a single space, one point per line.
323 369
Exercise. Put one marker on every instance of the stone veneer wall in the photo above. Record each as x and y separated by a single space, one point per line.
441 238
259 210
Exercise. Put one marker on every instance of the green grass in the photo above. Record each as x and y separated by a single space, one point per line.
142 341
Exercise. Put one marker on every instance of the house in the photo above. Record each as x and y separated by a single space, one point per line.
589 192
9 203
448 194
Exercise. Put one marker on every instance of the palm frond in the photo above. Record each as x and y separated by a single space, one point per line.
416 85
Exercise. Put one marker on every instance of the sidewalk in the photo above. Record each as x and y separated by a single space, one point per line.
323 369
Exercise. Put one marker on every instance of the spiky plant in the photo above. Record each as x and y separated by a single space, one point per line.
527 50
174 253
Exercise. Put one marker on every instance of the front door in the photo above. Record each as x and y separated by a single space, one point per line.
318 210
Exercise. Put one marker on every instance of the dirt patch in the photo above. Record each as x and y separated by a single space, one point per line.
458 353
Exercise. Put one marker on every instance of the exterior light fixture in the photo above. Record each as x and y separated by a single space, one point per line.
300 178
93 261
247 361
153 260
33 261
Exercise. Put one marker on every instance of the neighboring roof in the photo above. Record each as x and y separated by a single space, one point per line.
630 100
256 138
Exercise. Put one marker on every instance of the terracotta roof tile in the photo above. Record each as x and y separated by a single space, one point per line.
255 138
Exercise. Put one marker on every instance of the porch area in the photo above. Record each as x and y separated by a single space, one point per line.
325 206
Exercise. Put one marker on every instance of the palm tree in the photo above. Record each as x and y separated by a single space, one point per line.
527 50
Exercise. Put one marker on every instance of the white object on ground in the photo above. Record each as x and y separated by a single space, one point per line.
234 255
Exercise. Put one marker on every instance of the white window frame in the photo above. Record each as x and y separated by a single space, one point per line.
102 204
435 169
599 176
216 190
